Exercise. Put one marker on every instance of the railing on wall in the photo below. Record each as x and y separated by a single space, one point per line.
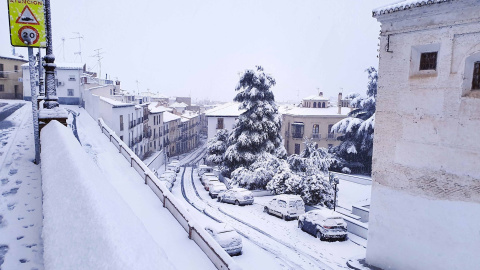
197 233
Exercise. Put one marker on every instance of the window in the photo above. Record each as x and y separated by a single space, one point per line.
2 88
331 135
314 104
219 123
476 76
15 67
297 130
2 74
297 148
315 131
71 78
428 61
323 104
121 123
121 138
70 92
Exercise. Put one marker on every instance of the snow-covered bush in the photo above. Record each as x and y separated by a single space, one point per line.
356 147
257 130
258 174
346 170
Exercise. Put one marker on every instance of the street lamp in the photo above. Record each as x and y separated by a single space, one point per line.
335 181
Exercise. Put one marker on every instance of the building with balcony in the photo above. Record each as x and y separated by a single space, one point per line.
314 120
171 130
11 77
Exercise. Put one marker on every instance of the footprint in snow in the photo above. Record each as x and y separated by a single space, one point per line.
12 191
3 251
11 206
20 218
18 182
5 181
32 245
30 210
12 171
23 260
20 237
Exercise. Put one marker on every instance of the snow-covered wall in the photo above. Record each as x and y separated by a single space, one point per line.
425 204
86 223
228 124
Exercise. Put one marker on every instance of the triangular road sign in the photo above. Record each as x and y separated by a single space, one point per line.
27 17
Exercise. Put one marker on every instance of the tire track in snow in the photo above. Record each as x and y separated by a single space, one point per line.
246 231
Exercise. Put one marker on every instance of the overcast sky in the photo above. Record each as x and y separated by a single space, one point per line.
197 47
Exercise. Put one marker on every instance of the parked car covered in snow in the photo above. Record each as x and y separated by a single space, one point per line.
170 175
204 169
286 206
215 188
324 224
174 166
238 196
205 176
210 180
226 237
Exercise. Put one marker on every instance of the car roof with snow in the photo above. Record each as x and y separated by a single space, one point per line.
219 227
327 213
288 197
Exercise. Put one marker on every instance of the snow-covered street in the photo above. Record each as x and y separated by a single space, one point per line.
269 242
21 190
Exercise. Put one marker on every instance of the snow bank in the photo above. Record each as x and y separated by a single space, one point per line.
86 223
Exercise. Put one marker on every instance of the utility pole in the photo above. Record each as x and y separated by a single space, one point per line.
63 48
138 91
79 37
41 89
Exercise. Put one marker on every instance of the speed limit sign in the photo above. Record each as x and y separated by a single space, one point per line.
27 23
28 35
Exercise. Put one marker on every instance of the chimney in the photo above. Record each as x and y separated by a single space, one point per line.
339 104
320 94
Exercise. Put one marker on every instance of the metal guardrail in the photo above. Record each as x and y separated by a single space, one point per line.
217 255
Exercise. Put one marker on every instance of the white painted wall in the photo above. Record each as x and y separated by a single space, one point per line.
228 123
425 207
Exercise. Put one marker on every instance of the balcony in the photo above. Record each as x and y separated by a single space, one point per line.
3 75
331 136
316 136
297 135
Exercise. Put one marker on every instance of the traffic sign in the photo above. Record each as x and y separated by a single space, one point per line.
27 23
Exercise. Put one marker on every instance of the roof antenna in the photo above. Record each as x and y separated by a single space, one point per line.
79 37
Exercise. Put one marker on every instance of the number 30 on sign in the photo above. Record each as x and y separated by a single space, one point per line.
27 23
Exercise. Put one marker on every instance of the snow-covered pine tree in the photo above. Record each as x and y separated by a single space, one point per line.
258 129
356 147
217 146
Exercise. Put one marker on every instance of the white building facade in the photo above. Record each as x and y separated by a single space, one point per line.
425 205
67 79
222 117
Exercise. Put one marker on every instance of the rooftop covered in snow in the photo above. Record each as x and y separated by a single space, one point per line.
168 117
227 109
154 107
61 65
116 103
179 105
405 5
301 111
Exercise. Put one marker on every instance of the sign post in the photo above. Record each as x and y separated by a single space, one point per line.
27 29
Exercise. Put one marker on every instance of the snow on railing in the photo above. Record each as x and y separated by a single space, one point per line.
197 233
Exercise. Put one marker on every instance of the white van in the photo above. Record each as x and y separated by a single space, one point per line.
286 206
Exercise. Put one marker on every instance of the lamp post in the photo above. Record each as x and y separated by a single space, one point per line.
51 99
335 181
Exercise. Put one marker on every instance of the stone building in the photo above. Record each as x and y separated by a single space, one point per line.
425 205
314 120
11 86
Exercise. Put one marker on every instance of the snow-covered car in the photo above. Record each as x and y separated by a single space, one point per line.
210 180
226 237
285 206
324 224
204 169
215 188
237 196
174 166
168 183
205 176
170 175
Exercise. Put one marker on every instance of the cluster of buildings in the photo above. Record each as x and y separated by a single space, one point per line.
150 122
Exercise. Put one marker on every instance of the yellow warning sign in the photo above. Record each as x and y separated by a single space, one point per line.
27 23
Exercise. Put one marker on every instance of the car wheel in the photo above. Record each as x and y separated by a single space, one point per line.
211 196
265 209
285 217
219 199
320 235
237 202
300 225
345 238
